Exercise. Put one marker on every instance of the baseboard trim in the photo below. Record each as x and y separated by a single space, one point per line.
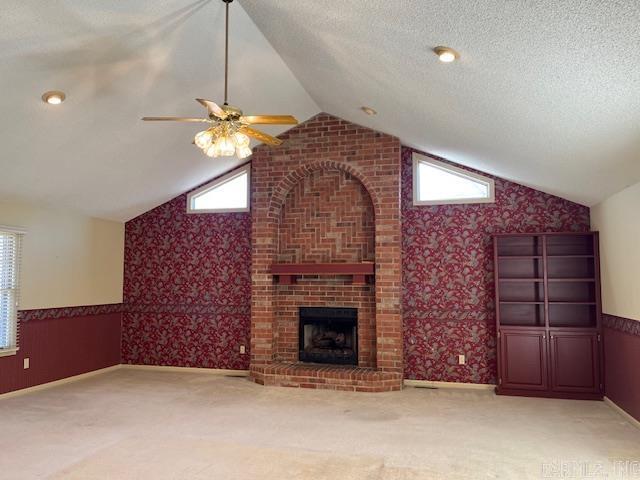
448 385
57 383
210 371
622 412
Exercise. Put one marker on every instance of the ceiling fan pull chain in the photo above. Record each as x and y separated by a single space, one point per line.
226 49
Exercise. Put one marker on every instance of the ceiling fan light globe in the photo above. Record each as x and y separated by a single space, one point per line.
243 151
211 152
225 146
241 139
203 139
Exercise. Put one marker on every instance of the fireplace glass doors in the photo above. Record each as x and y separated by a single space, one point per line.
329 335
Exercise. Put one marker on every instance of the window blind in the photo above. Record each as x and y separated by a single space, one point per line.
10 250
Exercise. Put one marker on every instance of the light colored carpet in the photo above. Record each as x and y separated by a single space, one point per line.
131 424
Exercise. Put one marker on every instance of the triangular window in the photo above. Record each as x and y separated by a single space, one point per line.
229 193
436 183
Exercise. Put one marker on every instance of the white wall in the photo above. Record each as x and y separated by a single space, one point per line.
68 259
618 220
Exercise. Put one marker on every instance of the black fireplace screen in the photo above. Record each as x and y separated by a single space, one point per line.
329 335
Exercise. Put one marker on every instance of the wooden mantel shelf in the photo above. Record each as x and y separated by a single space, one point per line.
287 272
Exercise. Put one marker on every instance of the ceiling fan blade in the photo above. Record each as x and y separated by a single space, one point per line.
213 108
258 135
175 119
269 119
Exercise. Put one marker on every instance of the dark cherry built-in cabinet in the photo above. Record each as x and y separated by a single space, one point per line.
548 315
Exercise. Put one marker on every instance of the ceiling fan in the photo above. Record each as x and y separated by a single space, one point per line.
229 129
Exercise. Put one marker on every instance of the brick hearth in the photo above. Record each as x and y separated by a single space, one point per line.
327 377
329 194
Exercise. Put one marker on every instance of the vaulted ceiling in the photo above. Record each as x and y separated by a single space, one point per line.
545 93
118 61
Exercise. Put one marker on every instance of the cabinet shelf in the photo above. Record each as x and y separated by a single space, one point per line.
521 279
571 280
572 303
508 302
508 328
569 256
518 257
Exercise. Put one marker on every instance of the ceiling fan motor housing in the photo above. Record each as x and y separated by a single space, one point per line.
232 112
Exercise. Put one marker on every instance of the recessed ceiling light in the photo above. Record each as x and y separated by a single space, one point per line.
368 110
53 97
446 54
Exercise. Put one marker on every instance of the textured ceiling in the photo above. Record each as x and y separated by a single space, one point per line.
118 61
546 93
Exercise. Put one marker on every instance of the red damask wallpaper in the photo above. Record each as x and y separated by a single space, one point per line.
187 281
447 273
187 288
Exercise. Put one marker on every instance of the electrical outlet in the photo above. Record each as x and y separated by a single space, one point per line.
26 363
461 360
242 350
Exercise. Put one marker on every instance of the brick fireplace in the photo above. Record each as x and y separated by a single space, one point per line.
327 201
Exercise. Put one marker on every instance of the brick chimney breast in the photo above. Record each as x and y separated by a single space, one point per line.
329 194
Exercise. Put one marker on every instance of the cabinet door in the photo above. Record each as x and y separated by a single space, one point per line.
575 362
523 360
